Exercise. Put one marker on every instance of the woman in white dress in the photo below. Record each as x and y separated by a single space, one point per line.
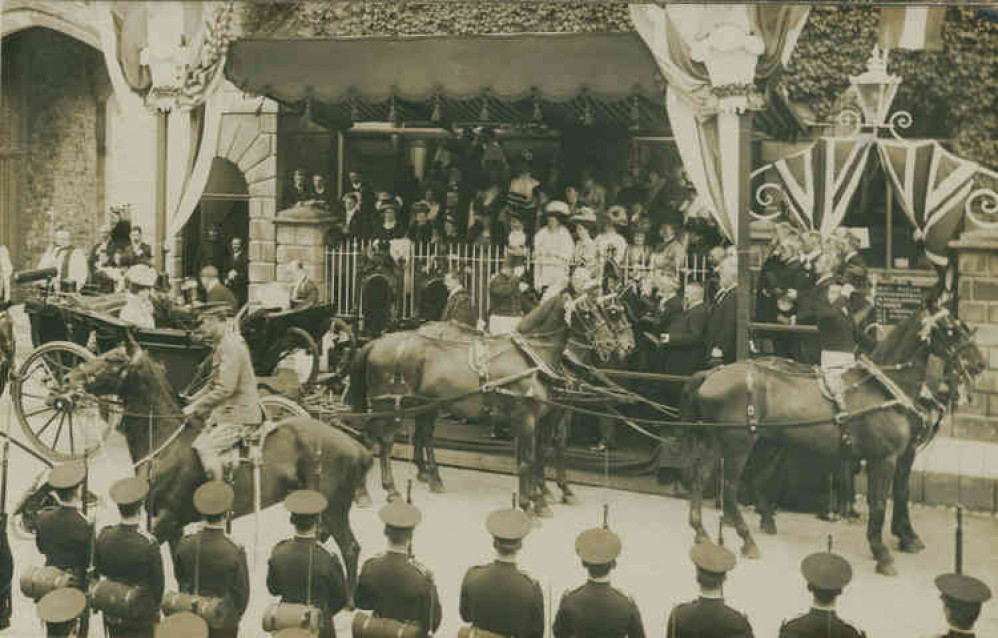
138 309
553 248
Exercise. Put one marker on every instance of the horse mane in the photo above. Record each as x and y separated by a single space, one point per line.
540 318
898 344
155 380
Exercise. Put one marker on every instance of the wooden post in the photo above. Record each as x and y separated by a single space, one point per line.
735 131
162 129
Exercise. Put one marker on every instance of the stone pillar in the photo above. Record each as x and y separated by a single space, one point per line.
257 137
978 306
301 234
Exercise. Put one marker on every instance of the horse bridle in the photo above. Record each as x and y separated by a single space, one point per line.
592 321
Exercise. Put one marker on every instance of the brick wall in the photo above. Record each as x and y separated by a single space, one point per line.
978 291
57 108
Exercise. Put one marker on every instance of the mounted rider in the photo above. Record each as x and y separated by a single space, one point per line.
230 399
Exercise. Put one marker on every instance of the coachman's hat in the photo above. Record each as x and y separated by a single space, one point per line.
965 589
182 625
62 605
826 570
508 524
598 546
712 558
400 515
67 475
213 498
129 491
305 502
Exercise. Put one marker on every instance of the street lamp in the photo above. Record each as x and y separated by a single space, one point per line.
875 90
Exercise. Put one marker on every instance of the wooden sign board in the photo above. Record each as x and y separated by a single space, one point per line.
896 300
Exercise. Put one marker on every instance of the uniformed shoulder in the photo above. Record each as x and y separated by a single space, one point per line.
574 592
623 595
421 568
282 545
526 575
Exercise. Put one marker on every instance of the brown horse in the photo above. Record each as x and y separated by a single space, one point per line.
880 429
441 361
297 453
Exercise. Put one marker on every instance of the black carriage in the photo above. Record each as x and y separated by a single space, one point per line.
286 339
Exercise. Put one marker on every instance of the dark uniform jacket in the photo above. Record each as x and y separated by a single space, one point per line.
835 327
64 537
598 609
399 587
505 296
132 255
223 571
126 554
707 618
819 623
684 353
721 326
500 598
287 577
810 306
460 309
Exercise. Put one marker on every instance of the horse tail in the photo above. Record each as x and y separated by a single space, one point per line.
357 395
699 444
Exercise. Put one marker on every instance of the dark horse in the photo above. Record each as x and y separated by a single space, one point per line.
883 431
297 453
440 361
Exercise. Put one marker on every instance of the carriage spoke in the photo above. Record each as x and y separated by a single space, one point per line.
58 432
47 424
72 447
47 408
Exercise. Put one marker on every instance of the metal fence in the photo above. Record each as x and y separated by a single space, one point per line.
414 266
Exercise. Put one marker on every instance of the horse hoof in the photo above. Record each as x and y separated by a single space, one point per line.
568 498
911 545
437 487
423 477
768 526
363 500
542 510
750 550
886 568
393 496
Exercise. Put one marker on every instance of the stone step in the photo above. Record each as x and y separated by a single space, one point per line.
972 426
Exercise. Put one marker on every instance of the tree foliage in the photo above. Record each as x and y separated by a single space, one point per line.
951 93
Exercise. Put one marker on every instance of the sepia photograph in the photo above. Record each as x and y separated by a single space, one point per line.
498 319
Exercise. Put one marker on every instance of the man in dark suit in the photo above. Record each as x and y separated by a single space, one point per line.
137 251
683 338
962 597
459 306
126 554
722 325
300 570
709 615
666 307
826 575
498 597
597 608
813 305
209 564
367 223
298 190
237 271
63 535
395 585
215 291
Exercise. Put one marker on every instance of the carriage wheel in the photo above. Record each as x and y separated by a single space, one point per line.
61 424
277 408
299 353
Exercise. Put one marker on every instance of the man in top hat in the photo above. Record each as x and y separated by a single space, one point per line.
460 308
63 535
597 608
826 575
300 570
126 554
182 625
211 565
215 290
61 610
230 398
708 615
69 262
962 598
138 309
498 597
395 585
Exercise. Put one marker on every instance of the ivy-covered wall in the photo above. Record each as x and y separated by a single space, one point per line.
950 93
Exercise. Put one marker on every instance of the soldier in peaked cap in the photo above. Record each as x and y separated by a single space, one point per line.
826 575
210 564
395 585
61 611
962 598
126 554
708 615
300 570
498 597
597 608
182 625
63 534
